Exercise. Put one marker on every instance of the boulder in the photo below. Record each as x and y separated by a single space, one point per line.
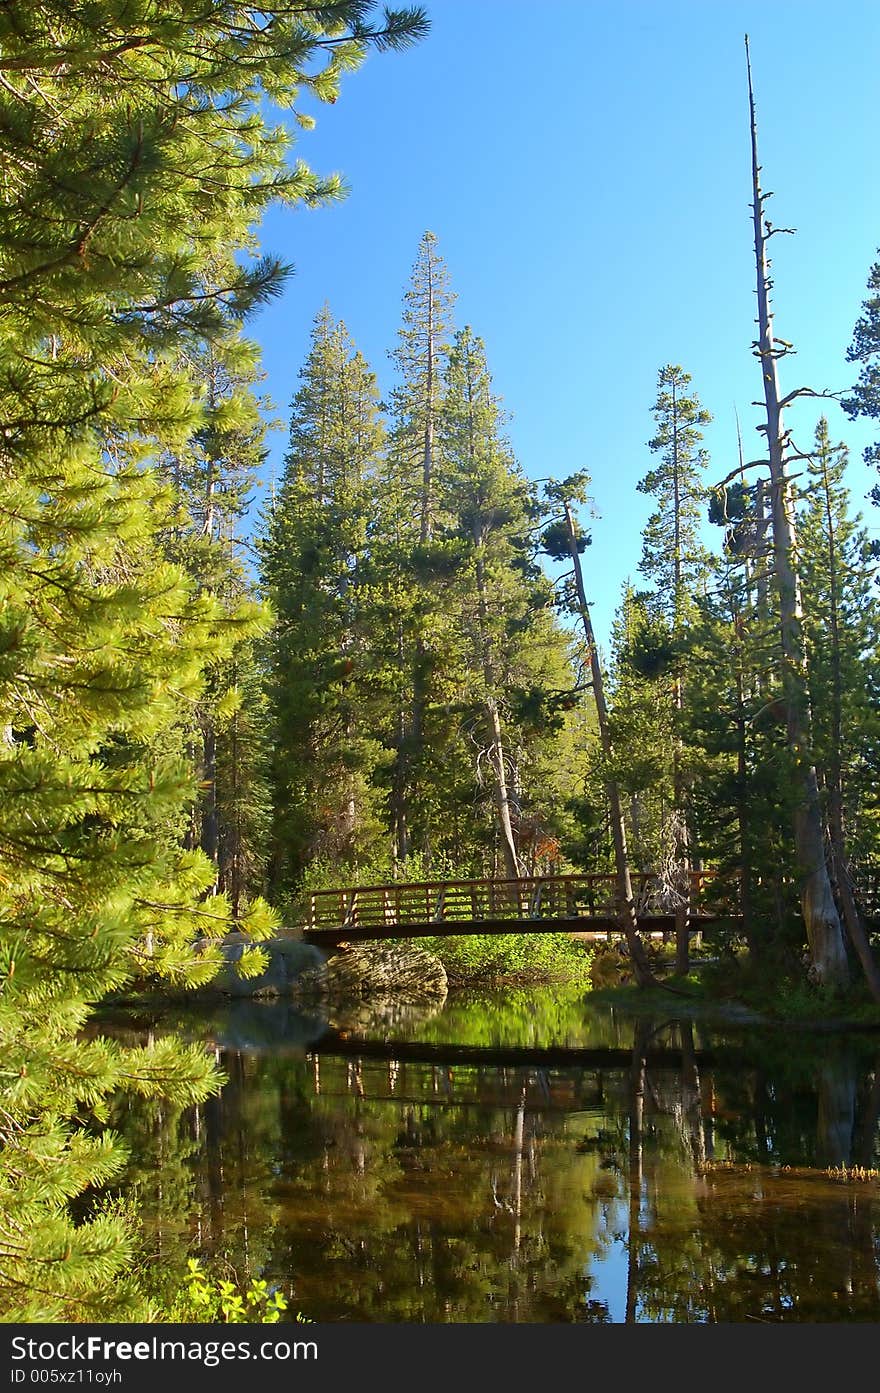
302 973
288 958
384 971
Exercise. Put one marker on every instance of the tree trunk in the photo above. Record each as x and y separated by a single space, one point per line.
496 753
626 903
635 1176
824 936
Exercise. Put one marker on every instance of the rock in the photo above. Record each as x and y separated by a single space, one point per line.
288 958
385 974
389 971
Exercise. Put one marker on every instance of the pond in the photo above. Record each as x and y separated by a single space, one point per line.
528 1156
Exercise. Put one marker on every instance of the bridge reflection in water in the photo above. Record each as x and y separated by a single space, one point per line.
690 1172
532 904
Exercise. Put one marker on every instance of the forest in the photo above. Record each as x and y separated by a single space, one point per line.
385 671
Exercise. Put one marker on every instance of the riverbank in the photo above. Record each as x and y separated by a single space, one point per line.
728 990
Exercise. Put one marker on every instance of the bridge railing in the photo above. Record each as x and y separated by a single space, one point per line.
564 897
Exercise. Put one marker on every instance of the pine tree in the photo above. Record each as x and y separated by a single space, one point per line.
674 559
641 717
414 406
135 148
841 630
213 478
321 669
488 504
865 349
739 758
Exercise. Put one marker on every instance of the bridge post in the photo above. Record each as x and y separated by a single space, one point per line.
570 902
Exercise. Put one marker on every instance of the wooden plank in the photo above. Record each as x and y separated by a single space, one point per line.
453 928
588 898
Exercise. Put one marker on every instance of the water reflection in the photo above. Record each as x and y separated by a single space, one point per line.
685 1174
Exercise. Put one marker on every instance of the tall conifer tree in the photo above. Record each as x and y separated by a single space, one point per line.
135 147
487 502
322 677
841 631
865 350
414 406
675 560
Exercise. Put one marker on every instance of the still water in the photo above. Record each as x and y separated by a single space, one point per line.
531 1156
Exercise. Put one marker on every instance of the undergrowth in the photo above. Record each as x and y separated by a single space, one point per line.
484 958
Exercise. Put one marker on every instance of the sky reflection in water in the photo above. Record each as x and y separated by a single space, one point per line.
686 1176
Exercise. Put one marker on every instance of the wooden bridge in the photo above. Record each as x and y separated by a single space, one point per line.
533 904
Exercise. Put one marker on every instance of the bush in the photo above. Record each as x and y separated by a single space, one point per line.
537 957
208 1300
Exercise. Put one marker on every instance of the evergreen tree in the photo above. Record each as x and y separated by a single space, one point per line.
841 629
739 759
213 477
490 506
865 349
321 669
641 718
414 407
135 147
674 559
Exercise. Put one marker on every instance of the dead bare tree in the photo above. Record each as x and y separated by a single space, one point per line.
824 934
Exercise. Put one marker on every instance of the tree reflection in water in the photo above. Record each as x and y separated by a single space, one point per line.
381 1190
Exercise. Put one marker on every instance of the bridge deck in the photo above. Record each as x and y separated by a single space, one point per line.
535 904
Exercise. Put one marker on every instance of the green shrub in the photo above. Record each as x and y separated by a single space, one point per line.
209 1300
537 957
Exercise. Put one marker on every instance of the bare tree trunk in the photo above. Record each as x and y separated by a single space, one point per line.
626 903
502 803
635 1177
496 751
824 936
691 1097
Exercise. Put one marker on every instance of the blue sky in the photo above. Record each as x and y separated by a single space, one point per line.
585 167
